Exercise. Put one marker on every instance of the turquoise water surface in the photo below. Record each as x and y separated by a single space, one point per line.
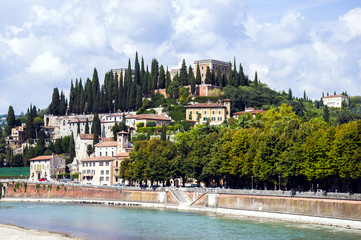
115 222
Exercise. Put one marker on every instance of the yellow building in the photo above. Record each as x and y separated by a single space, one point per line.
215 113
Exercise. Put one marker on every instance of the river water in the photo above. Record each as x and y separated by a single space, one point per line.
115 222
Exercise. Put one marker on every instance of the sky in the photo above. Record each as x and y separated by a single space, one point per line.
305 45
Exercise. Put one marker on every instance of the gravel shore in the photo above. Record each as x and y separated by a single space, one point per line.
10 232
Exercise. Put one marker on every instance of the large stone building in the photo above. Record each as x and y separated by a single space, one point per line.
335 101
215 113
45 166
213 65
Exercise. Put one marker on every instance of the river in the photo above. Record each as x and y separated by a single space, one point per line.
116 222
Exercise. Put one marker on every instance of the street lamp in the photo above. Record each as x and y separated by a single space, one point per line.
279 182
252 182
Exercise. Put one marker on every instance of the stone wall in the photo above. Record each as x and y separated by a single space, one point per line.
73 192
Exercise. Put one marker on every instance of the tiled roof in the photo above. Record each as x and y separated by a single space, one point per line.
107 144
122 154
206 105
333 96
41 158
86 136
107 139
102 158
123 132
251 112
80 120
148 117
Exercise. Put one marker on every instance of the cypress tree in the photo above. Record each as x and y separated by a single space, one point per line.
242 81
183 76
78 128
163 135
208 76
290 97
218 81
145 86
256 80
72 147
139 97
137 79
191 80
121 92
230 74
115 129
63 105
71 98
55 102
326 114
115 92
161 77
198 75
213 78
96 90
88 96
122 124
86 130
235 74
304 95
96 129
10 120
154 75
167 79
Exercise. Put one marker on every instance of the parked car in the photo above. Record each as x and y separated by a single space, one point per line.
117 185
42 179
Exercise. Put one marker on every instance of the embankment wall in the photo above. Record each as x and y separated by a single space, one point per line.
319 207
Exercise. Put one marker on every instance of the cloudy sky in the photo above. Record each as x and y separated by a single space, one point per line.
312 45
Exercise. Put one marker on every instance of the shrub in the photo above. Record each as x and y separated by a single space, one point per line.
151 124
57 188
140 124
75 175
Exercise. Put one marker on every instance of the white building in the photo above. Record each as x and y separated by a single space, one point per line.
45 166
103 167
335 101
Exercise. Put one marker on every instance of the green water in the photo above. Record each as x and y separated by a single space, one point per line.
114 222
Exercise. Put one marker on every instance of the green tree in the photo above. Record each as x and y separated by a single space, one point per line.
163 136
183 76
10 120
71 147
162 77
96 129
198 75
55 103
191 80
208 76
86 130
326 114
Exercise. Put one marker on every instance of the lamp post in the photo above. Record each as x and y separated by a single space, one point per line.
279 182
252 182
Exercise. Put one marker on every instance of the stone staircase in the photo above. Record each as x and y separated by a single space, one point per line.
181 197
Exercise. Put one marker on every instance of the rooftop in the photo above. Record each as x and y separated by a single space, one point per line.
42 158
148 117
103 158
333 96
206 105
107 144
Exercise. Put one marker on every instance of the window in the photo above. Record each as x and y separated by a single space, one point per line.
190 112
213 119
202 69
100 153
107 164
88 171
219 118
107 179
106 153
116 163
101 179
102 172
83 164
219 112
196 112
212 112
107 172
93 163
112 153
205 112
101 164
204 119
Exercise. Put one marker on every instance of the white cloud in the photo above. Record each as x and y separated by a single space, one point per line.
52 42
47 66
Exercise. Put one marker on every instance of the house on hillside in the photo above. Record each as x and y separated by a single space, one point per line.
45 166
335 101
215 113
249 110
17 137
103 167
132 120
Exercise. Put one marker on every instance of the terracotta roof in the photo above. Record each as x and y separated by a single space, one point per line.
86 136
122 154
123 132
148 117
332 96
102 158
107 139
227 100
41 158
80 120
251 112
107 144
206 105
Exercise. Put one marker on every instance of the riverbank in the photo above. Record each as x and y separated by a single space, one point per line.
325 221
10 232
